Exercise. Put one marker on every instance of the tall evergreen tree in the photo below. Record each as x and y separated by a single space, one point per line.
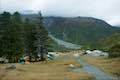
42 38
18 33
11 36
6 39
29 37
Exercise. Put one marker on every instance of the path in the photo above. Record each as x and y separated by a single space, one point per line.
97 73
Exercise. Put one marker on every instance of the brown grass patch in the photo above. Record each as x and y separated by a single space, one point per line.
50 70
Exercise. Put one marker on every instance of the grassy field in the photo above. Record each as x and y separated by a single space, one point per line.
109 65
50 70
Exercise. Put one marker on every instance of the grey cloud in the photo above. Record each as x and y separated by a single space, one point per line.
108 10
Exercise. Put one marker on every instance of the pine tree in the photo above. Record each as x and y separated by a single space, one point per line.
11 42
42 39
29 38
5 42
18 29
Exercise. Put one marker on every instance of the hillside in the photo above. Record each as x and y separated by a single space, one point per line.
110 41
79 30
111 44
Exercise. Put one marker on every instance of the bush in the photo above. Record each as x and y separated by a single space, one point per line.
114 51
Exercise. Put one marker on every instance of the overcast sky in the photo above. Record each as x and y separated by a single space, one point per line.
108 10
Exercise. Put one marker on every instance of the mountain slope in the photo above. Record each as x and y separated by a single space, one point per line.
111 44
80 30
110 41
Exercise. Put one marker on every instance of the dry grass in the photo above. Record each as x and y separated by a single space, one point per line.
111 66
51 70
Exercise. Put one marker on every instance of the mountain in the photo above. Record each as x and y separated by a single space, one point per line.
79 30
85 31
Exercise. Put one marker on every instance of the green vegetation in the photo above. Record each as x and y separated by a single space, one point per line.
110 41
114 51
22 37
111 44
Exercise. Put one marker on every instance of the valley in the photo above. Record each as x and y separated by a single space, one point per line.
59 39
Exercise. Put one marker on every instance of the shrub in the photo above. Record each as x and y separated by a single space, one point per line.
114 51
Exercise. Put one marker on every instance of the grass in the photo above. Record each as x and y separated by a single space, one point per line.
109 65
50 70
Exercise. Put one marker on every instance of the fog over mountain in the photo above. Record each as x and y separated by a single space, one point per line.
108 10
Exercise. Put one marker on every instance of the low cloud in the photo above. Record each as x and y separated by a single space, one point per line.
108 10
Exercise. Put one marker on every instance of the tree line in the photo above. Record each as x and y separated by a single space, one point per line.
20 37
